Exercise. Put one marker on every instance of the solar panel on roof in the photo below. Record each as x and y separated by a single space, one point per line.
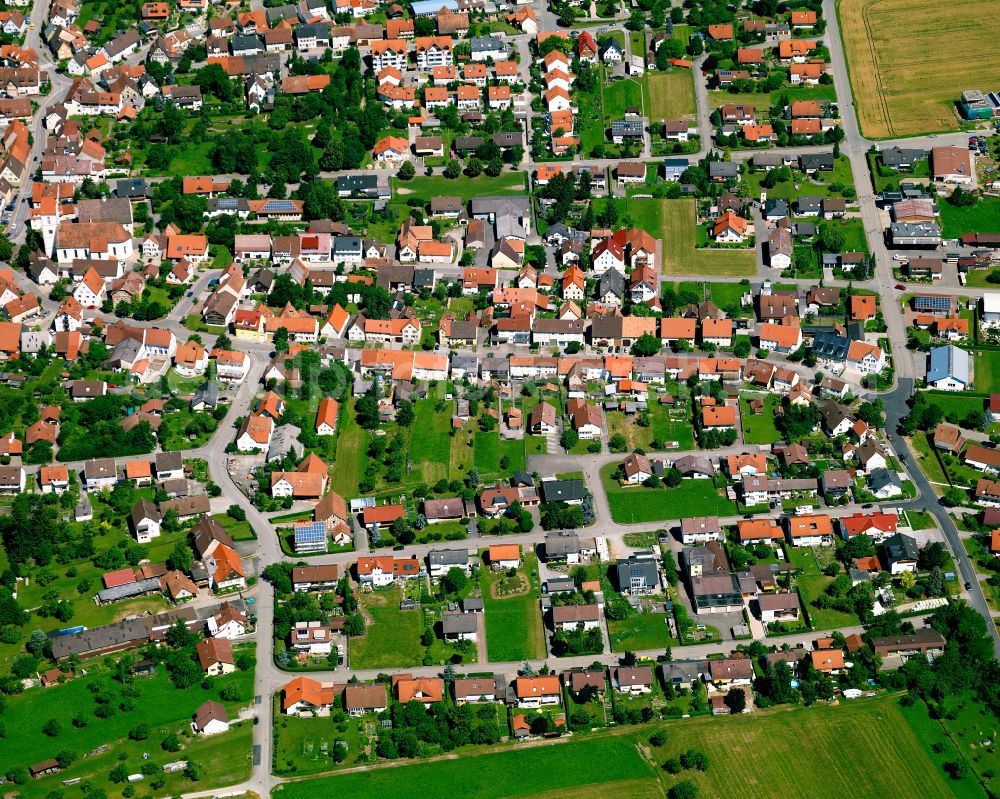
280 205
310 534
227 202
937 303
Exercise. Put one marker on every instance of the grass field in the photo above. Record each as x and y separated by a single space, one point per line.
759 428
793 752
427 188
392 638
639 504
812 582
640 632
767 749
159 704
983 216
986 371
762 101
677 221
622 94
537 770
430 449
351 458
514 624
671 95
299 743
898 95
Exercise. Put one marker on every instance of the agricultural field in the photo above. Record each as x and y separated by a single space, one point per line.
897 95
671 95
745 752
351 458
639 504
513 619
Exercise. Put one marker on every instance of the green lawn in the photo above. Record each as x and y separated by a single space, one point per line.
671 95
426 188
640 504
486 448
514 623
300 744
392 637
622 94
795 752
762 102
496 775
964 733
238 531
986 371
430 442
983 217
922 442
758 428
812 582
513 450
675 225
351 458
640 632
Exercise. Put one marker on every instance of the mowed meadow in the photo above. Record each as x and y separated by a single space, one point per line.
860 749
909 61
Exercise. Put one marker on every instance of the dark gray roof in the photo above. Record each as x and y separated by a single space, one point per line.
900 547
563 490
459 623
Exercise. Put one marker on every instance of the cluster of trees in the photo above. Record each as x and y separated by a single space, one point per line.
560 516
577 642
565 190
796 421
417 730
91 430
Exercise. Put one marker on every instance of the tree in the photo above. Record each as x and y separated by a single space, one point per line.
736 700
52 728
181 557
646 346
954 496
907 580
454 581
281 339
236 512
454 169
569 438
831 237
406 171
695 759
932 556
685 789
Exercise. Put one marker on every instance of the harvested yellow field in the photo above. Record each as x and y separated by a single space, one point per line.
910 60
671 95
